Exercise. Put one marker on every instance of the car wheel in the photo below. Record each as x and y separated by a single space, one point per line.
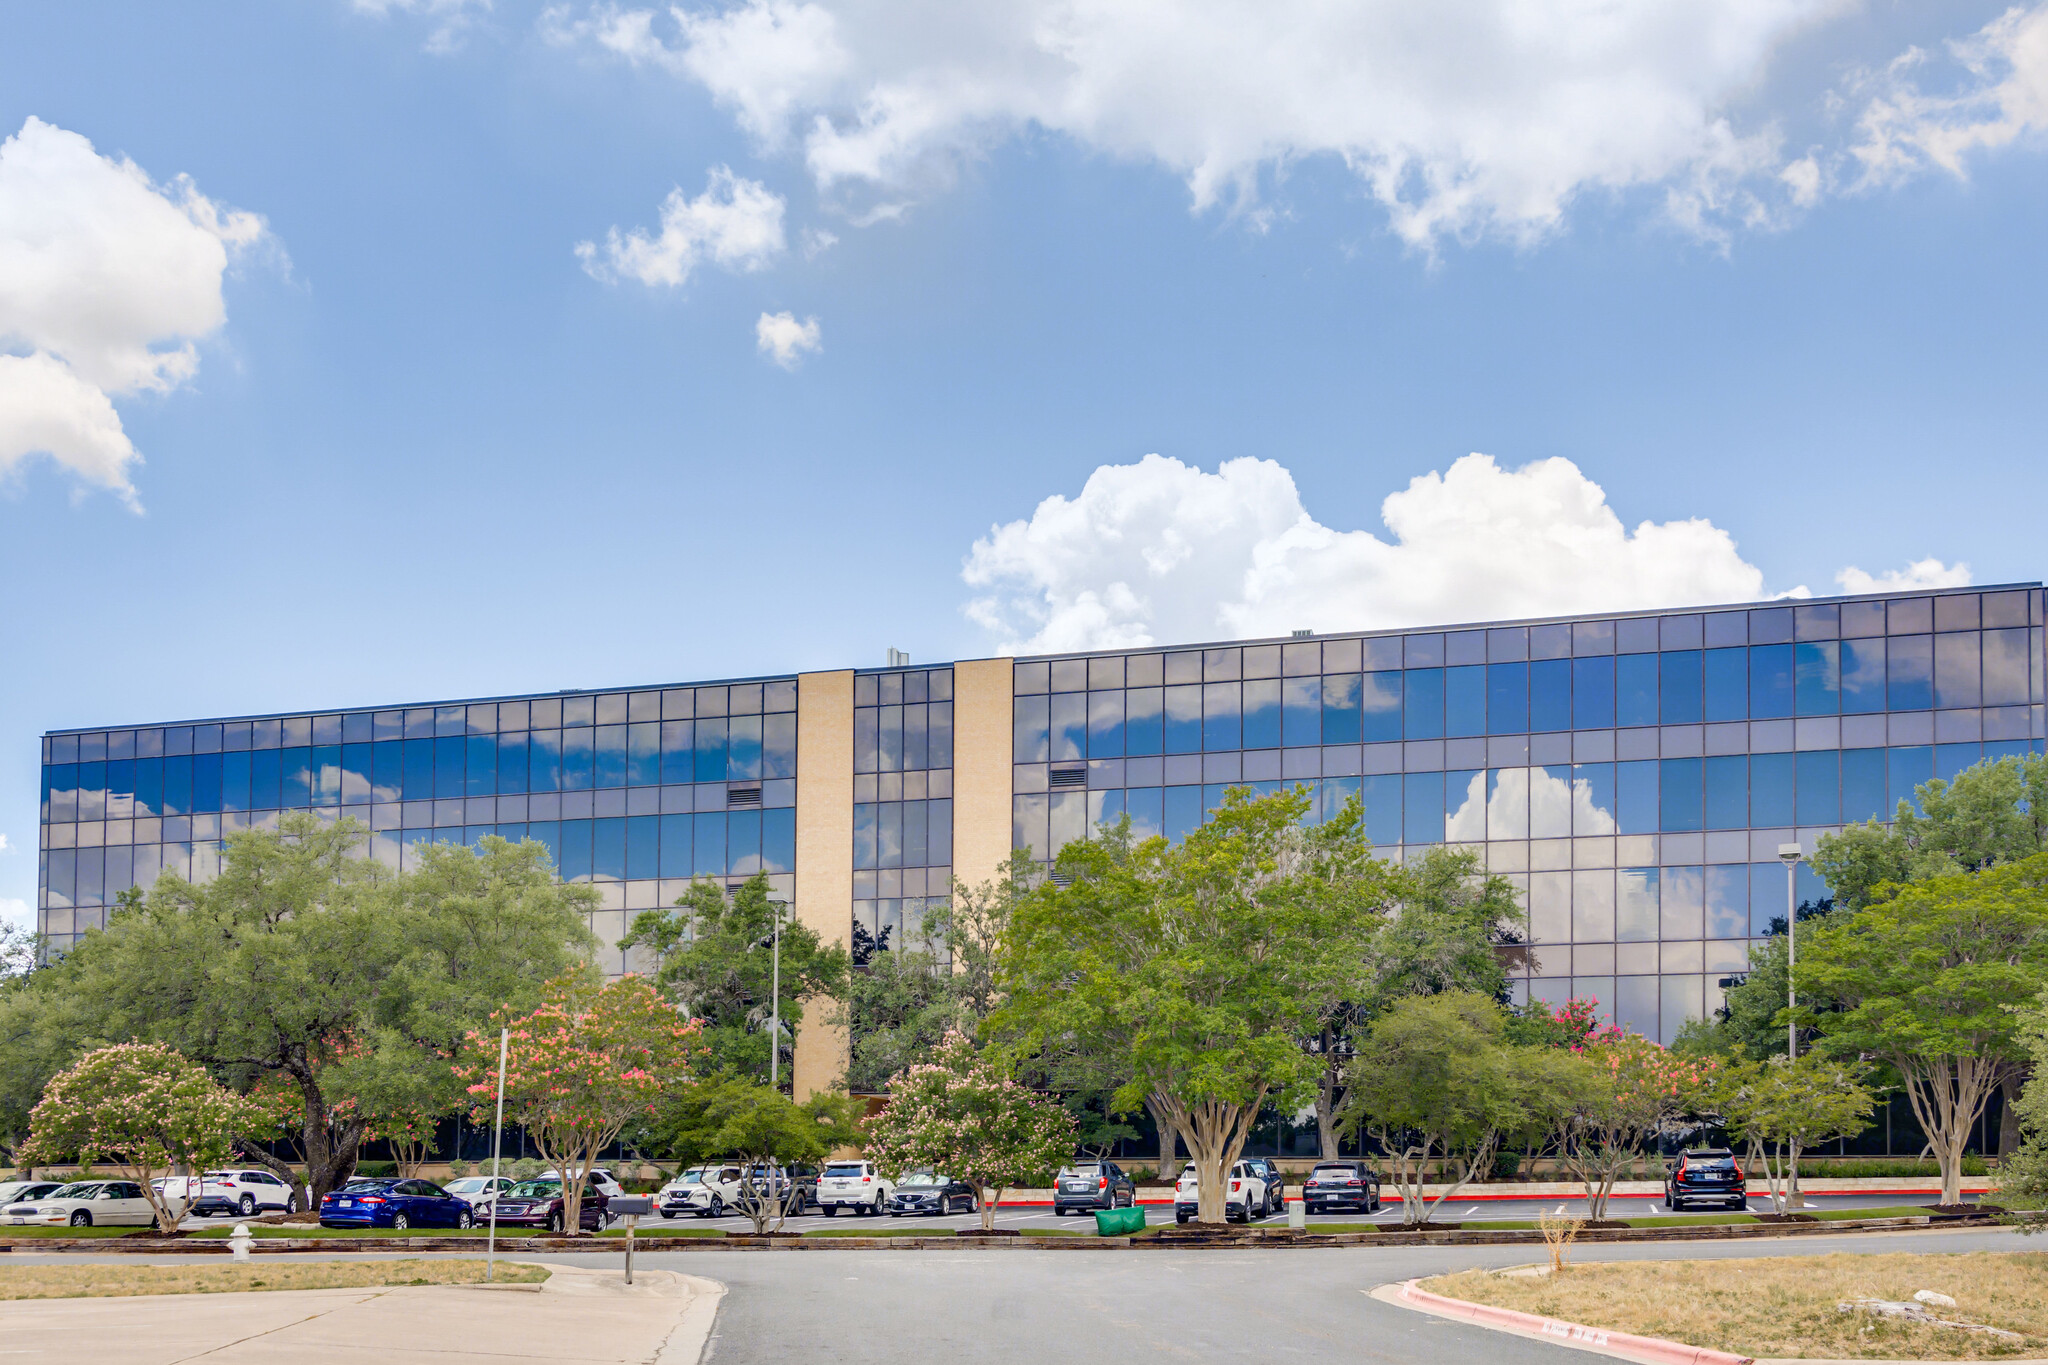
666 1214
555 1224
1180 1218
291 1203
247 1205
399 1222
717 1207
81 1219
465 1219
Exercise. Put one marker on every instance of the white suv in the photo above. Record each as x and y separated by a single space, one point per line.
243 1192
855 1185
717 1189
1247 1192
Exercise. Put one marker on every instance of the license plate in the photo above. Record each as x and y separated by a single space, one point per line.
348 1203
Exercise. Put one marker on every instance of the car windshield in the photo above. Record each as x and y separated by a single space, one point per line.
844 1170
918 1179
1089 1171
690 1178
78 1190
466 1184
536 1189
1334 1169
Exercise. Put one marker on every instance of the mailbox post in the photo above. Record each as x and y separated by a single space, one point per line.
630 1207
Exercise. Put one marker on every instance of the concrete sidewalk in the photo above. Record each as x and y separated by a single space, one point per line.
579 1317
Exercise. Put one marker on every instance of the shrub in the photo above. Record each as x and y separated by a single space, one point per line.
459 1168
373 1170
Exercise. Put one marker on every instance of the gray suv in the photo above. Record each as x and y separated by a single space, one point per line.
1089 1185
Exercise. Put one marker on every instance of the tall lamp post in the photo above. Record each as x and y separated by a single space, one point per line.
773 942
1790 855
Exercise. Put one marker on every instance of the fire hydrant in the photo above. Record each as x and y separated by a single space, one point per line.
239 1240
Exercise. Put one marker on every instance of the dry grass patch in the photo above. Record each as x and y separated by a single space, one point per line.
120 1281
1785 1306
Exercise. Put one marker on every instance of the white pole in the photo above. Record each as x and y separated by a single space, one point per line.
497 1139
1791 959
775 1004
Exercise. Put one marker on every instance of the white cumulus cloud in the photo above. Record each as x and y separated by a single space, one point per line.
1160 551
1460 117
107 281
1922 573
448 20
783 339
2001 97
736 223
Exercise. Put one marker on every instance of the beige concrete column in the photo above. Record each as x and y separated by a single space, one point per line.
824 856
981 767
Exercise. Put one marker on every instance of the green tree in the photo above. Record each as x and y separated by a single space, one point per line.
144 1108
1781 1107
1194 971
1929 979
716 963
731 1117
1438 1086
1995 812
308 964
588 1060
2023 1177
962 1113
1626 1090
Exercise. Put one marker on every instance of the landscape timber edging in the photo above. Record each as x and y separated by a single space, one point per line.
1262 1239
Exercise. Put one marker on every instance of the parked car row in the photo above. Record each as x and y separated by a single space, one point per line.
1257 1190
80 1204
390 1202
715 1190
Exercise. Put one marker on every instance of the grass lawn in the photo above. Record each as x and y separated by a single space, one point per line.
117 1281
1785 1306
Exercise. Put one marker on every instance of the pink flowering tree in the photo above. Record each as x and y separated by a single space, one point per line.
961 1114
145 1108
1625 1090
591 1059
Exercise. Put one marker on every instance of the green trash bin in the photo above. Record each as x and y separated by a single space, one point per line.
1119 1222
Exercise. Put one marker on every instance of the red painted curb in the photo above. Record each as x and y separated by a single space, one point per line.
1652 1350
1392 1198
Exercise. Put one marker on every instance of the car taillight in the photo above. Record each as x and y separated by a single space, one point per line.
374 1199
1102 1184
1354 1182
1235 1185
867 1180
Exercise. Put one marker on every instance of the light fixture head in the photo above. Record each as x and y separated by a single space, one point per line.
1790 854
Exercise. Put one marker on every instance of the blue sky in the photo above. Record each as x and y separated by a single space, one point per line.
1753 264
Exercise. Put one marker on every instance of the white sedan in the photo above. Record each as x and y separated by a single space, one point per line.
478 1190
84 1204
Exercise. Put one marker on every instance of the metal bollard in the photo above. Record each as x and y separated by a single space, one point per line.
239 1240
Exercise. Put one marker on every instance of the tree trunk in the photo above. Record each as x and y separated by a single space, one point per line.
1169 1139
990 1197
2009 1135
1328 1096
1948 1095
1215 1134
331 1146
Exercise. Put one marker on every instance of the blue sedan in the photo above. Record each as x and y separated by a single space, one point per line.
394 1204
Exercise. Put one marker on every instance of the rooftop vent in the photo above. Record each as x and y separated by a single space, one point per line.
742 796
1303 634
898 659
1076 776
1059 879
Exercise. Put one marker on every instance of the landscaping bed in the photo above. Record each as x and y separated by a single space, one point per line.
1787 1306
120 1281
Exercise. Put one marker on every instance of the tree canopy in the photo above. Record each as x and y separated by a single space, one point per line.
730 1117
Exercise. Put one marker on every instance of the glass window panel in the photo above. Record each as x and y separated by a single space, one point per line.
1909 672
1770 780
579 758
1550 802
1678 783
917 733
675 846
643 754
778 742
1863 786
1728 792
1817 670
1681 913
1105 724
1820 776
92 791
1147 812
448 765
544 760
889 739
1950 760
510 764
939 725
1422 807
1770 681
867 727
356 784
643 847
1222 713
1379 702
1727 680
1465 700
1069 818
1550 907
1465 794
1728 901
1184 719
778 840
1301 700
1635 794
707 838
1143 719
574 858
1678 1002
1550 694
266 777
121 785
1068 731
1105 808
205 783
1028 818
1767 886
1381 796
1183 812
1422 703
1593 799
1635 689
480 777
178 785
60 877
1593 693
743 839
1507 803
1593 907
743 748
939 833
1862 675
710 750
1262 714
1679 682
419 771
1031 740
1956 679
1507 699
296 773
915 848
2005 667
889 834
1635 904
864 816
548 834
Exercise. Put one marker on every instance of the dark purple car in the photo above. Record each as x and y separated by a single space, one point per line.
538 1204
395 1204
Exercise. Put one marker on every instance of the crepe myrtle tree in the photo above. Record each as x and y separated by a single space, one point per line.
143 1107
1617 1092
735 1117
1780 1107
1194 970
589 1060
963 1114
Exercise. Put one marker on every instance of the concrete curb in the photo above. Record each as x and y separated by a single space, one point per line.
1647 1350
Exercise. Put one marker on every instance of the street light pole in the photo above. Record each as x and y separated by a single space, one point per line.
775 1000
497 1141
1790 854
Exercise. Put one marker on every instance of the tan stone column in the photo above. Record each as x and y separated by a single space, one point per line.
982 726
824 857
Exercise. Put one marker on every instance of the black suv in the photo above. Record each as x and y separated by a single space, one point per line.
1276 1185
1705 1174
1341 1185
1089 1185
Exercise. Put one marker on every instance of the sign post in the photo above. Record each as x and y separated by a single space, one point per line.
630 1207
